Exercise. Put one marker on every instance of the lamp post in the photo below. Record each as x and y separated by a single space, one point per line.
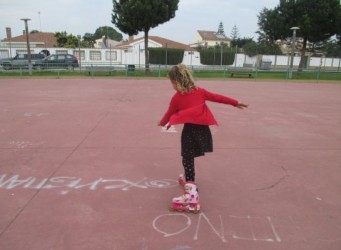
28 45
39 20
79 52
292 49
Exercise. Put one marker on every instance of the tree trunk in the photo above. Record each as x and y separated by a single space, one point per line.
301 66
146 52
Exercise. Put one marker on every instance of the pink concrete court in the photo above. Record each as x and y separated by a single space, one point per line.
84 166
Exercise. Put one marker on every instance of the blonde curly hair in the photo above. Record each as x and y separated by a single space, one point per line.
182 77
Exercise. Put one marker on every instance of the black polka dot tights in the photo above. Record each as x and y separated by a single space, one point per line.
188 164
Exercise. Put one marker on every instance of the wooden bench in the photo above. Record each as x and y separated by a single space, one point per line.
242 72
92 69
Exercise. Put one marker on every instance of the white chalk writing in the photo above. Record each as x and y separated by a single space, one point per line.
251 234
66 183
171 129
169 234
269 233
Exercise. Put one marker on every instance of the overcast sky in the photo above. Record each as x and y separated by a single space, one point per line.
78 17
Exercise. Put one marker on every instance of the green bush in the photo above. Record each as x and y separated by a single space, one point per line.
158 56
252 49
212 56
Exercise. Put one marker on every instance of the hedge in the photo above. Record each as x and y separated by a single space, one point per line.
158 56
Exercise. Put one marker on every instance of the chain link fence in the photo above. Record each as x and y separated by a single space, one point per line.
129 62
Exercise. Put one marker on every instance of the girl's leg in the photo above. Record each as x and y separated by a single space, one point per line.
188 164
189 201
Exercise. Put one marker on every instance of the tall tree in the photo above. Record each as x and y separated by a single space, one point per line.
270 23
221 29
234 33
88 40
240 42
65 40
318 20
252 48
108 32
133 16
338 33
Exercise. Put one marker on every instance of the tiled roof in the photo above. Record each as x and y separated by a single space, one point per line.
163 41
47 37
211 36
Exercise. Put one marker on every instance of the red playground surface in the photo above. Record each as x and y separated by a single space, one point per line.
83 165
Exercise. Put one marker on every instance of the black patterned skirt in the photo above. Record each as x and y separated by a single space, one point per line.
196 140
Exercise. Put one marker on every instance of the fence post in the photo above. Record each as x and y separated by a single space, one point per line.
287 75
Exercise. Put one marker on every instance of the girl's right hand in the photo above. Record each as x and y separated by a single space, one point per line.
242 105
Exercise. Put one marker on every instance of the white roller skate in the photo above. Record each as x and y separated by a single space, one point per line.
189 201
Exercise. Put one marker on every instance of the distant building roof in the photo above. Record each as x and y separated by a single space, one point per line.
105 43
212 36
45 39
163 41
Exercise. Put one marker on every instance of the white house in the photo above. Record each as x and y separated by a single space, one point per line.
105 43
107 52
206 39
133 50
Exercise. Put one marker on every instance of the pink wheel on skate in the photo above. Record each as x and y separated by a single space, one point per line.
189 208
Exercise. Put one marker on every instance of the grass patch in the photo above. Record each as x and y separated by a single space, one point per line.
161 72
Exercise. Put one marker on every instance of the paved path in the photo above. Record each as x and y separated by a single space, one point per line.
84 166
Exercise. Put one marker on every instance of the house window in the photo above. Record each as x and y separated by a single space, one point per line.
95 55
4 53
111 56
82 54
20 52
59 52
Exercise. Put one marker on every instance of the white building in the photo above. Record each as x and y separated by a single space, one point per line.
207 39
133 50
107 52
105 43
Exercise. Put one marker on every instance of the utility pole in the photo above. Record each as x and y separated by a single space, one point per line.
292 50
28 45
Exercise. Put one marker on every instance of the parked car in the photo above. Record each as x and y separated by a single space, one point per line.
57 61
20 61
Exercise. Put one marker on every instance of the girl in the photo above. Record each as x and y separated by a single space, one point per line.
188 106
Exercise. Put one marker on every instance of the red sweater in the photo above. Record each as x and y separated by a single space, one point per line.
191 108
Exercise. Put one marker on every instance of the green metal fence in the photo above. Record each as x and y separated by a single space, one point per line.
160 71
